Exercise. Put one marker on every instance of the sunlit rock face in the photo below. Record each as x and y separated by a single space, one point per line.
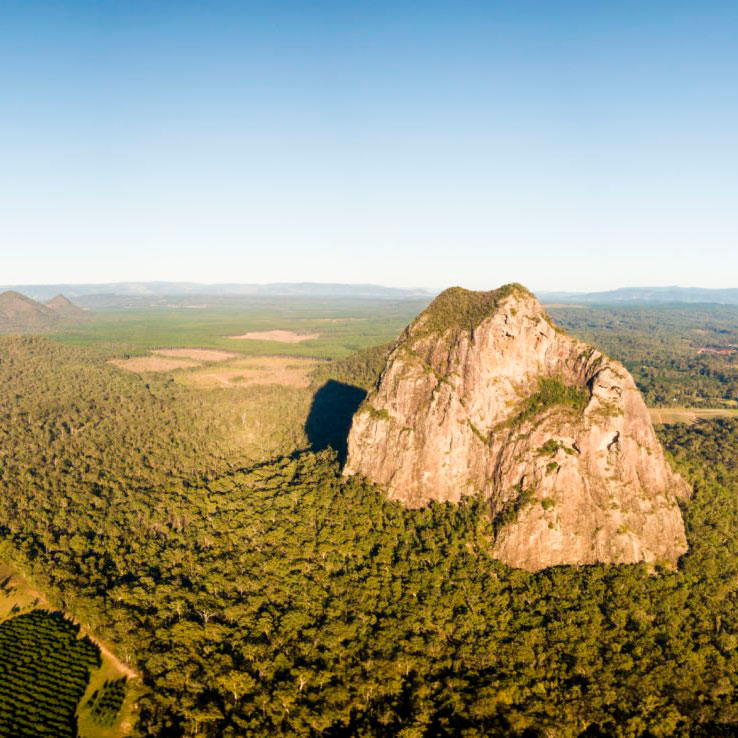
483 395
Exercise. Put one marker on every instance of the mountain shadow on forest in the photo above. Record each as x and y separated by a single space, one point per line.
329 420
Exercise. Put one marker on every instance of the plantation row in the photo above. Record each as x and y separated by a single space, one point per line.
44 671
105 703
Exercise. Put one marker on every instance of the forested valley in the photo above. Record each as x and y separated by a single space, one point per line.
258 592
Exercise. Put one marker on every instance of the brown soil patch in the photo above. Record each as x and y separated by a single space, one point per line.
196 354
288 372
280 336
141 364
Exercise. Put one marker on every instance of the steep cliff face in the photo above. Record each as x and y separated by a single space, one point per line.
483 395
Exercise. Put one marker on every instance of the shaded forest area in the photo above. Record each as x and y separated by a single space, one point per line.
263 596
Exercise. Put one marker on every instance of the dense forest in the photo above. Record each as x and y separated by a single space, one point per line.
679 355
260 596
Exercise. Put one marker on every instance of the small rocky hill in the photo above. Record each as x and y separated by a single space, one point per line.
21 314
65 308
483 395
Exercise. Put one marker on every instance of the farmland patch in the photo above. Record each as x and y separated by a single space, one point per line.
278 336
144 364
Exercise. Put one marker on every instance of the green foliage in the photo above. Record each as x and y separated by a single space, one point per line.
679 355
44 671
552 392
71 418
361 369
105 703
375 414
552 446
512 509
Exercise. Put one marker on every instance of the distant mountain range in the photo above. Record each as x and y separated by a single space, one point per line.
19 313
644 295
195 289
117 294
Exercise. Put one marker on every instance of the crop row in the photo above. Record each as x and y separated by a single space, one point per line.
44 671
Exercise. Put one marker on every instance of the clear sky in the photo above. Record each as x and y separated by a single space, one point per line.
565 145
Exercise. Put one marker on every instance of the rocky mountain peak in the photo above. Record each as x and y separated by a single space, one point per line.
483 395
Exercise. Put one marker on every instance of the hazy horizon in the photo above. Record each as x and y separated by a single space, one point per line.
430 290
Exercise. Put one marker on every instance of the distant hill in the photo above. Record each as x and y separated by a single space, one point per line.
645 295
65 308
185 289
21 314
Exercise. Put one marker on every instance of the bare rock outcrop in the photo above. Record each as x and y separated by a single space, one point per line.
483 395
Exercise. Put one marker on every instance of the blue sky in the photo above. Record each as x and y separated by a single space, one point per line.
565 145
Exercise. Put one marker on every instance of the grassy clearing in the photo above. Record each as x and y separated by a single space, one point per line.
16 595
87 725
196 354
261 370
145 364
219 369
689 415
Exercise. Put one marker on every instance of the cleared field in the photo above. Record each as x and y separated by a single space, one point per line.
689 415
196 354
262 370
143 364
167 360
279 336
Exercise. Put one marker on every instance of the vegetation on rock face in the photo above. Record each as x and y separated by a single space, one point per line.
552 391
462 309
